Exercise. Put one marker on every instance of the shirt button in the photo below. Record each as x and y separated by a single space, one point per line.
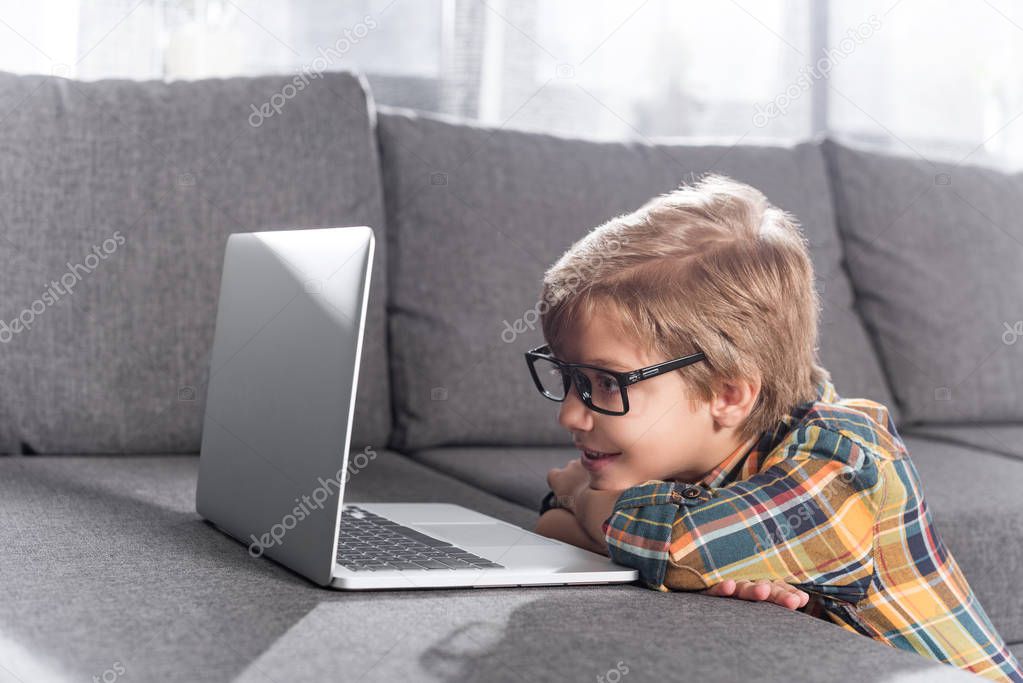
690 492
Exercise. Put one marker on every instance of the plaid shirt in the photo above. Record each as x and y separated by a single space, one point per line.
829 502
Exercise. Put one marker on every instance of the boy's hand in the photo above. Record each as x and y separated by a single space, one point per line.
778 592
567 482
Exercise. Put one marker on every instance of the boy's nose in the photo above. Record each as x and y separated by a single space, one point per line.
574 415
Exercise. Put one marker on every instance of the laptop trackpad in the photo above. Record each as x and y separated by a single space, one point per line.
484 534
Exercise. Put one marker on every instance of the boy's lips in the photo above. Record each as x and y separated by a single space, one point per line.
594 461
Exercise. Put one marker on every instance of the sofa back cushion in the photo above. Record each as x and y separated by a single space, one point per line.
116 200
935 253
476 215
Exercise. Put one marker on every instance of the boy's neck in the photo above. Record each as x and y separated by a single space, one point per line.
726 456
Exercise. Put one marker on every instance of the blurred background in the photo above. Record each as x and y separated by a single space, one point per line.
940 79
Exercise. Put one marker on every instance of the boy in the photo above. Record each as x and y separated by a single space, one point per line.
716 451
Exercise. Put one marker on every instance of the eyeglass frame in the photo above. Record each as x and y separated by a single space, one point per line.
624 379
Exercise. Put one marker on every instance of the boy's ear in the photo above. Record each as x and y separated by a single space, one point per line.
734 400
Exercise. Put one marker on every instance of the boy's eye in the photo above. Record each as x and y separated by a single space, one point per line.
608 384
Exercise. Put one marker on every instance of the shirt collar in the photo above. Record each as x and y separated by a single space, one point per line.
734 460
826 391
747 456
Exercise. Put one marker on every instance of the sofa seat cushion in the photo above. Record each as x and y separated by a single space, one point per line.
123 194
1004 439
973 498
107 567
934 252
477 214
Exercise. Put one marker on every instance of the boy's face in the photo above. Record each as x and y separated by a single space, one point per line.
666 434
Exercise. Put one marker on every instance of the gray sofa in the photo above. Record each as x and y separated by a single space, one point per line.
110 573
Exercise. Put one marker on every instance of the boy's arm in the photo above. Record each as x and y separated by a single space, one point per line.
562 525
592 508
808 520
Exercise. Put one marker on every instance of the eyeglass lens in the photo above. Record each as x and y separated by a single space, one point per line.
596 387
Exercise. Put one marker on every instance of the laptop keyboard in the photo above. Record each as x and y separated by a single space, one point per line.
369 542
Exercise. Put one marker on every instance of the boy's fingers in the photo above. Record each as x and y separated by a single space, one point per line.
804 599
552 474
778 592
802 595
723 589
748 590
783 595
761 590
744 590
787 595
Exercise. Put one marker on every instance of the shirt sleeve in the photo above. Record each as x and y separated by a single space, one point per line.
806 518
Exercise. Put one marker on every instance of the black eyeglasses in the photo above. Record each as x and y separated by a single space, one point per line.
600 389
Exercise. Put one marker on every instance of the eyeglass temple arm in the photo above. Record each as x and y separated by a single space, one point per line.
666 366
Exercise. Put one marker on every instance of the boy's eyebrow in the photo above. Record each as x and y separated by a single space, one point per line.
604 362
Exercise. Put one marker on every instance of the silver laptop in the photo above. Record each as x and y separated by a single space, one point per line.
275 444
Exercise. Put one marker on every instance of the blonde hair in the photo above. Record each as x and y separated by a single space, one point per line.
711 267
